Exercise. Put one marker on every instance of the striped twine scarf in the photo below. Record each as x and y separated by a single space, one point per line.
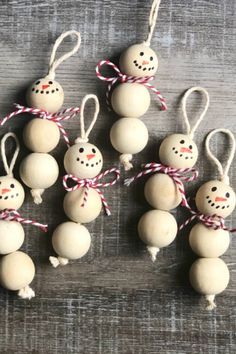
14 215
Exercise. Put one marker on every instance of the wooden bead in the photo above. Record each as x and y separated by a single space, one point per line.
46 94
178 151
17 270
161 192
89 212
39 171
209 276
71 240
207 242
130 100
83 160
41 135
139 60
12 236
129 135
215 197
12 193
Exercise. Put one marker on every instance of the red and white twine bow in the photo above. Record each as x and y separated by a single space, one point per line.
92 183
14 215
54 117
120 77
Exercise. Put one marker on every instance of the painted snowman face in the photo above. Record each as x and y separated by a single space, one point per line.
12 193
45 94
83 160
178 151
215 197
139 60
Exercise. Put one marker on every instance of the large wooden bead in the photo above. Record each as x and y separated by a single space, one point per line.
215 197
139 60
46 94
12 236
39 171
209 276
73 208
157 228
178 151
17 270
41 135
83 160
12 193
129 135
71 240
161 192
130 100
207 242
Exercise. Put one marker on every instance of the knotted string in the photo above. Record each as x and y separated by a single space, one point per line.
120 77
152 20
13 215
54 117
9 167
92 183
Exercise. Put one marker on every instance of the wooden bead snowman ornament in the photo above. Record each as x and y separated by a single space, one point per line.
17 269
164 190
83 162
45 97
131 99
209 239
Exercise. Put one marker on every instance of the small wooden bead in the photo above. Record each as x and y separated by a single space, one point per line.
46 94
82 214
12 193
83 160
139 60
161 192
71 240
130 100
41 135
215 197
17 270
12 236
129 135
207 242
178 151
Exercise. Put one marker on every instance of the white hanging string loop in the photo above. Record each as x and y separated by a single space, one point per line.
223 172
152 21
191 131
54 63
84 134
9 167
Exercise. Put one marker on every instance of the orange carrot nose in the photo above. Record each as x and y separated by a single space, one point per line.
219 199
145 62
183 149
5 190
90 156
44 87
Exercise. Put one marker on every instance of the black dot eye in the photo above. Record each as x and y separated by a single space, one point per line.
227 195
141 54
12 185
213 189
94 151
37 83
57 89
50 82
151 58
81 150
190 147
182 141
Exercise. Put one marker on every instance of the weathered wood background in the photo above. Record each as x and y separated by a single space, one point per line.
115 300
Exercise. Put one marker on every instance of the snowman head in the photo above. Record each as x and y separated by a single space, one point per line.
215 197
46 94
11 193
83 160
178 151
139 60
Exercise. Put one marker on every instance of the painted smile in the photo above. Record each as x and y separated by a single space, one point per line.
217 199
9 196
143 66
45 88
182 152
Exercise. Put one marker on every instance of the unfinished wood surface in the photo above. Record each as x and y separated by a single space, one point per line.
115 301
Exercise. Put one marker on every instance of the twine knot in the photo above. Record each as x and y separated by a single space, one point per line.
14 215
94 183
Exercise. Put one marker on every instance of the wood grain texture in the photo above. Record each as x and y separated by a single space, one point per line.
115 300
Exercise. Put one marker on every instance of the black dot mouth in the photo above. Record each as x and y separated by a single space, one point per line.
181 155
9 196
44 92
90 165
217 206
141 67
